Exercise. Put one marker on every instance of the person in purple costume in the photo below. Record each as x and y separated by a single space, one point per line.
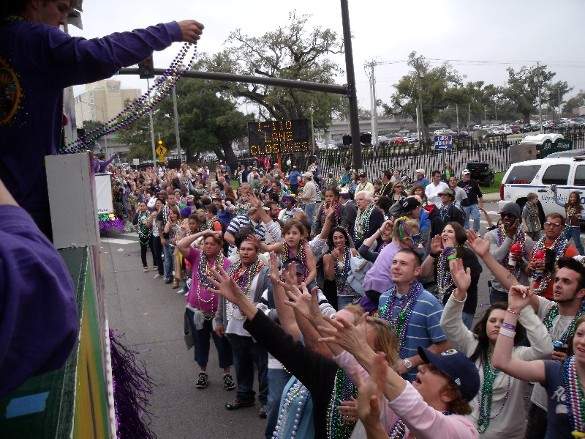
38 61
38 312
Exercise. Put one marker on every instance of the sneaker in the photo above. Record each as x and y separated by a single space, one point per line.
202 381
262 412
228 382
168 281
145 269
153 268
156 276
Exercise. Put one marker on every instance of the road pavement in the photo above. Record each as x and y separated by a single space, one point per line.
150 314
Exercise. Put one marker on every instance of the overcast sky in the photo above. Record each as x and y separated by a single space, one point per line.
518 32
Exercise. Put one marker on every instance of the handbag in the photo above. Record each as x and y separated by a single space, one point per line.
359 267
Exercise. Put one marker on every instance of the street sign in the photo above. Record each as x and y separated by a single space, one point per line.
279 137
443 143
161 151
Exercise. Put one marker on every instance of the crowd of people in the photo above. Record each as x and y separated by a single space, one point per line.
354 303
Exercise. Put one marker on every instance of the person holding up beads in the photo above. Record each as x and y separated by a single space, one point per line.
500 402
202 304
563 381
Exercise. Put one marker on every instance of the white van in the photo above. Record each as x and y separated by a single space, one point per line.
567 173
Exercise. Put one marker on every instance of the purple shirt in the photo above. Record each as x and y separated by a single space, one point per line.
40 61
200 297
38 311
378 277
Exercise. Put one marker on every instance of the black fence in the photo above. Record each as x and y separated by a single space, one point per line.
407 158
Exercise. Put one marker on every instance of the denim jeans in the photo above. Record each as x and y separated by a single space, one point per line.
575 233
247 353
310 212
343 301
202 344
157 249
168 251
498 296
467 319
277 379
472 212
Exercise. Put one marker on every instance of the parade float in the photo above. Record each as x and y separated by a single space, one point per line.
101 391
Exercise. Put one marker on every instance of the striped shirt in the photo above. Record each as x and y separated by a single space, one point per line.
424 326
266 232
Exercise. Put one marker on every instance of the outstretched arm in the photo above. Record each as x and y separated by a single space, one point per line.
481 247
83 61
532 371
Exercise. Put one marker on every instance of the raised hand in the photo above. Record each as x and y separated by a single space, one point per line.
274 274
303 301
519 297
436 244
225 286
349 410
461 276
191 30
480 246
349 336
369 402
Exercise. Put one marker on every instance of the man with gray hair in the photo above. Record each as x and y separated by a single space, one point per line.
369 218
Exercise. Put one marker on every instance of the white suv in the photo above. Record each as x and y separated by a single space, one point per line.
567 173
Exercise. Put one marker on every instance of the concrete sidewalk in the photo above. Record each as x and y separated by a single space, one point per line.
150 314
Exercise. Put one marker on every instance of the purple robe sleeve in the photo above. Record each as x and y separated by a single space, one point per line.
73 60
38 310
103 165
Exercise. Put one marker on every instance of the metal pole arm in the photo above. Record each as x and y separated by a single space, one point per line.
231 77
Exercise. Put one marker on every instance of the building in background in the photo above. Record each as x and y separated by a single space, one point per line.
100 102
103 100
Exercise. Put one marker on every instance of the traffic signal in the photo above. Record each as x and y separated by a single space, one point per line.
146 68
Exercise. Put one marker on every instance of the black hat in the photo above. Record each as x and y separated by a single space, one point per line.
511 208
409 204
456 366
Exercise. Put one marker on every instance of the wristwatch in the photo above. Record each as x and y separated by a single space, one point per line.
407 363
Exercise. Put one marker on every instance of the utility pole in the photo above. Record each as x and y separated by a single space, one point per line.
420 111
496 109
351 89
151 129
539 97
457 115
468 115
374 114
177 134
418 127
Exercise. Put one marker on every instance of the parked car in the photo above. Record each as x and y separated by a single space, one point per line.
567 173
538 146
481 172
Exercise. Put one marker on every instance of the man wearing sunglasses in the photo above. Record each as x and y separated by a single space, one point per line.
554 245
508 233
